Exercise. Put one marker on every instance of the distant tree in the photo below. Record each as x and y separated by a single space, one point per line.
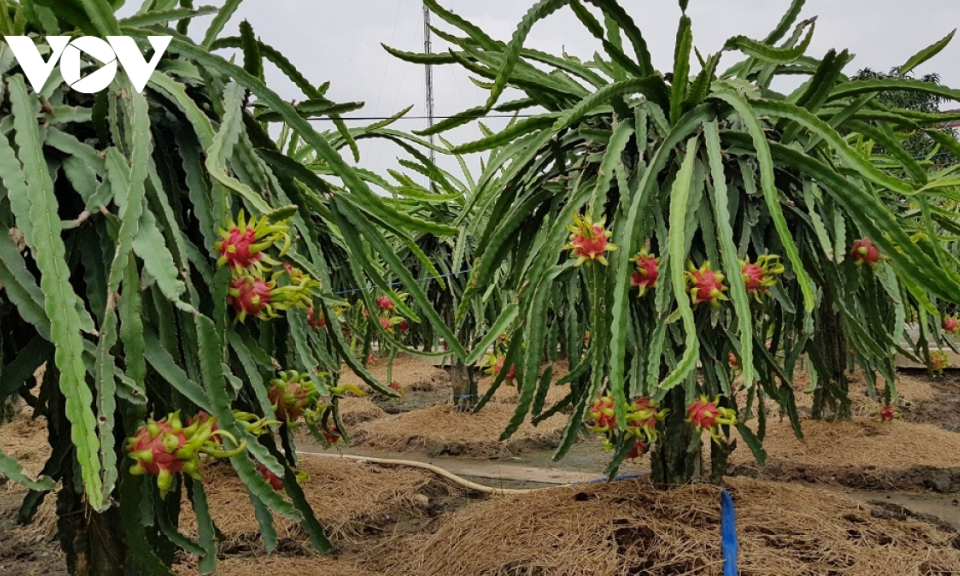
919 144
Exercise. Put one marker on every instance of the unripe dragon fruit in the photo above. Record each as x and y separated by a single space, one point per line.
291 395
647 272
275 481
589 241
705 285
706 414
951 325
642 417
243 243
939 361
864 252
603 415
165 448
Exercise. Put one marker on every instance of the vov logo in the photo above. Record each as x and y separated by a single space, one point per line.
108 52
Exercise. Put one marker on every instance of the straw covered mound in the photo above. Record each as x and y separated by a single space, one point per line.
441 431
861 453
350 499
412 372
279 566
355 410
507 394
628 527
911 389
25 440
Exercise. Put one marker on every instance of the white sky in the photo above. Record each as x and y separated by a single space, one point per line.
339 41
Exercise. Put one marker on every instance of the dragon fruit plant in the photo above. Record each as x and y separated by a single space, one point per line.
750 199
160 253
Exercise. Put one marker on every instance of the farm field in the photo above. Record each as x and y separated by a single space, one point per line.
859 497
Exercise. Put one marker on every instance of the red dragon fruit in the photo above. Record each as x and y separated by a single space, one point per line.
888 412
706 414
291 394
250 296
760 276
939 361
864 252
951 325
275 481
705 285
639 449
589 241
495 366
386 304
403 325
732 360
642 417
647 272
165 448
386 324
395 386
243 243
315 321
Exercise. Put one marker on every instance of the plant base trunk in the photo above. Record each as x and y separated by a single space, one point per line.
831 399
672 462
93 543
464 388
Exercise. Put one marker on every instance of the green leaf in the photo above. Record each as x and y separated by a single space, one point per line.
507 135
615 11
12 470
681 70
926 54
786 22
677 244
60 299
219 21
766 53
770 193
731 263
537 12
101 15
506 318
647 86
252 59
154 17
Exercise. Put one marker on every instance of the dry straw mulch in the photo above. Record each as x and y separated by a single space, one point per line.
350 499
441 431
280 566
861 442
411 372
629 527
355 411
507 394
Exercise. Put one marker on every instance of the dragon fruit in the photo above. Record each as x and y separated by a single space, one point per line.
706 414
243 243
403 325
939 361
732 360
495 363
386 324
760 276
951 325
386 304
603 415
639 449
705 285
888 412
251 295
315 321
642 417
589 241
647 272
395 386
275 481
864 252
291 394
167 448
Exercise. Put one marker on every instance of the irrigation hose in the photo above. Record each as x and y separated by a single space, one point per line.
435 469
457 479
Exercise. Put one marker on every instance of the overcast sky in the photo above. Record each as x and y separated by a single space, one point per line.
339 41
